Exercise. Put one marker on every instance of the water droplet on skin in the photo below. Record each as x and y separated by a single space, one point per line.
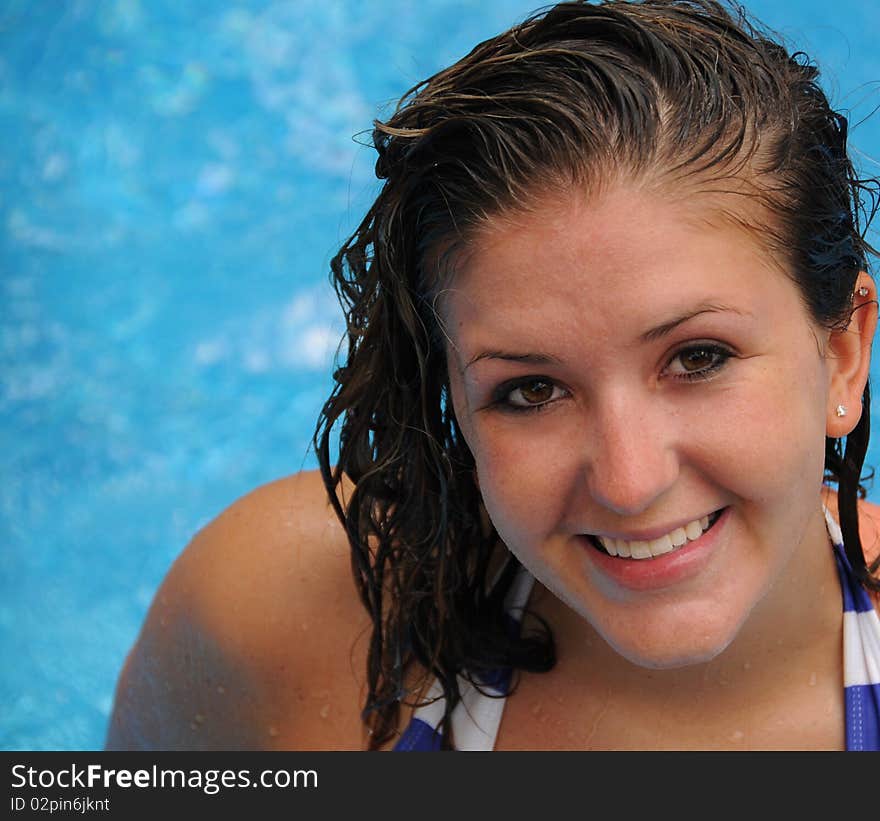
737 735
813 679
273 731
325 711
747 666
199 718
221 689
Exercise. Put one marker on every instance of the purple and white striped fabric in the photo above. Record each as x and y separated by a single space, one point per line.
861 654
476 718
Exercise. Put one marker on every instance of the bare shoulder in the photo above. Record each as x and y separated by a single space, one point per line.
869 529
254 638
869 532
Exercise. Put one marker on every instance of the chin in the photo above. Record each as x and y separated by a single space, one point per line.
687 651
674 660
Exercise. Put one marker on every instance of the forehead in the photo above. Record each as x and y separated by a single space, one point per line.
629 248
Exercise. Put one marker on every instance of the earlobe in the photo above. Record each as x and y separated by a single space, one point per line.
849 357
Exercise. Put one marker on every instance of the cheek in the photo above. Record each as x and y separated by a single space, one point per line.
768 435
520 476
525 484
801 433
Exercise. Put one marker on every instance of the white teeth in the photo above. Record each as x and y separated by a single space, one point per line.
656 547
678 537
641 550
661 546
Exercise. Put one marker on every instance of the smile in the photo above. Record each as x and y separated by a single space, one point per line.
656 547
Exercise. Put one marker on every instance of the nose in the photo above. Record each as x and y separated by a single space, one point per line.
632 456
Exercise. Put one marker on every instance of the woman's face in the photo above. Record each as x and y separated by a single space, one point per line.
627 368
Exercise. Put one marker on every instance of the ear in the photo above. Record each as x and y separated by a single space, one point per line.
848 354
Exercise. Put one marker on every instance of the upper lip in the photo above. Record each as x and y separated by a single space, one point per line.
649 534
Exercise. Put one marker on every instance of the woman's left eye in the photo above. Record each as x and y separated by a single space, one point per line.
698 361
527 395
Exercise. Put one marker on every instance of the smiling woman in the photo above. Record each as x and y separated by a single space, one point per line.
602 421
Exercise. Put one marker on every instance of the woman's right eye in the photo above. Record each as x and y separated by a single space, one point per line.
528 395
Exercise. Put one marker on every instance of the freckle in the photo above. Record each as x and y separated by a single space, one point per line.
325 711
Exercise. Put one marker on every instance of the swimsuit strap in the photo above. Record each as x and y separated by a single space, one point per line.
861 653
477 717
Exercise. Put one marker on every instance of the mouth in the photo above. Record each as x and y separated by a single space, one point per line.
669 543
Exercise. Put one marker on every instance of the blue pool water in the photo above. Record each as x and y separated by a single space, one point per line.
173 181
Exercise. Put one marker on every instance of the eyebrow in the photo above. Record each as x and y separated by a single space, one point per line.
527 358
703 308
652 335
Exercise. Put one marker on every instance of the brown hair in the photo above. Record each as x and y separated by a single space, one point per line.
663 89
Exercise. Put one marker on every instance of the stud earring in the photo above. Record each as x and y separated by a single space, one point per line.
841 410
863 291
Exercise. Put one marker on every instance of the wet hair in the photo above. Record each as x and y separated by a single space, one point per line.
672 93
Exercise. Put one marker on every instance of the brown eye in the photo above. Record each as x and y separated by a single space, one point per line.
536 392
698 362
697 359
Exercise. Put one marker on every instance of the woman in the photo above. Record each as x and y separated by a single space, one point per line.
609 326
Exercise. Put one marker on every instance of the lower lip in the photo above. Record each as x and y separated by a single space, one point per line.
662 571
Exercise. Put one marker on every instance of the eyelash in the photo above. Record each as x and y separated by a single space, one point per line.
500 397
